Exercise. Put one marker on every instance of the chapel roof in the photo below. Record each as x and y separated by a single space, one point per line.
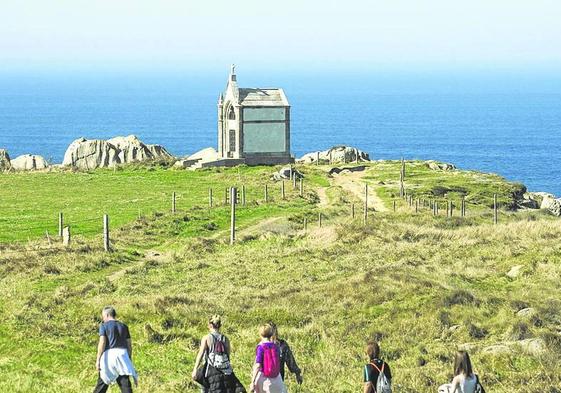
262 97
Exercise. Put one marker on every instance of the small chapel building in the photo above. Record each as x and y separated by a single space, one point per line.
253 125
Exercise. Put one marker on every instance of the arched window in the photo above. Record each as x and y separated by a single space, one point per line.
231 114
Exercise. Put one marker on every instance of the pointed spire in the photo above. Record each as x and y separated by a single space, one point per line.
220 99
233 73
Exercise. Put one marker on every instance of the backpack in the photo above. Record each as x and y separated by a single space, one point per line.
383 384
271 361
478 386
217 354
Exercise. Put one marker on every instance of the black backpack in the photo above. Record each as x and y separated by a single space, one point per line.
478 386
217 354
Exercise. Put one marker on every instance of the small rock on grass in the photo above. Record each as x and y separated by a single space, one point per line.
515 271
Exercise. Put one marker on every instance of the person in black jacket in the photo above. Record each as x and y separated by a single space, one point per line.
286 356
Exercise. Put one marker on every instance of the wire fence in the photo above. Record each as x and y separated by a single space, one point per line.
48 230
51 229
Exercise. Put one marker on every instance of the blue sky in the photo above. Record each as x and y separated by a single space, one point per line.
283 35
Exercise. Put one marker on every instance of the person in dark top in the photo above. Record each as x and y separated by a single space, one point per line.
113 334
286 356
374 367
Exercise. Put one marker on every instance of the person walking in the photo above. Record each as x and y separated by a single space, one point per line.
465 380
212 369
266 376
114 354
286 356
377 373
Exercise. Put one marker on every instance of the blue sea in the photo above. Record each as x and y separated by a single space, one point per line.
508 125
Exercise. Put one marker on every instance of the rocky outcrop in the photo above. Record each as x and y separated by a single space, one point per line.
202 156
336 170
528 201
208 154
29 162
91 154
284 174
336 154
440 166
539 196
4 160
184 163
159 153
132 149
552 204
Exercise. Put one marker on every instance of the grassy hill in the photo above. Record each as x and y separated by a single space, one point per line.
423 285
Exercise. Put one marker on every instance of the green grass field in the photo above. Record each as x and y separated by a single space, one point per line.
424 286
31 202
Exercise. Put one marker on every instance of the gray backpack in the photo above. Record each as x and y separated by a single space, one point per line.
383 384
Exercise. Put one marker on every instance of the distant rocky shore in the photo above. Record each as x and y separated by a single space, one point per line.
89 154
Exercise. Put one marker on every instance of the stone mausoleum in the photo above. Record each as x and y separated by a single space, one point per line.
253 125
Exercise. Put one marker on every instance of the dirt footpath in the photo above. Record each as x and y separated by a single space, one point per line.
353 183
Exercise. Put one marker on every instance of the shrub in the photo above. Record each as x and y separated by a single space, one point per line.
520 331
460 297
476 331
51 269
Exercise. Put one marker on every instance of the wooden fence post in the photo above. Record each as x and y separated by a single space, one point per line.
60 223
320 219
495 210
401 186
266 194
416 206
233 197
210 197
106 245
173 204
451 209
365 204
353 211
243 195
305 224
294 181
394 205
301 187
66 236
463 207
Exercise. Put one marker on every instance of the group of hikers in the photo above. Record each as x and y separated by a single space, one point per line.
213 369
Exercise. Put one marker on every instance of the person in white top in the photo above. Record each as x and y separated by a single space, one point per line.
465 381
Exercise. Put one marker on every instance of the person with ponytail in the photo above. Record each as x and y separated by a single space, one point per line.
215 374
